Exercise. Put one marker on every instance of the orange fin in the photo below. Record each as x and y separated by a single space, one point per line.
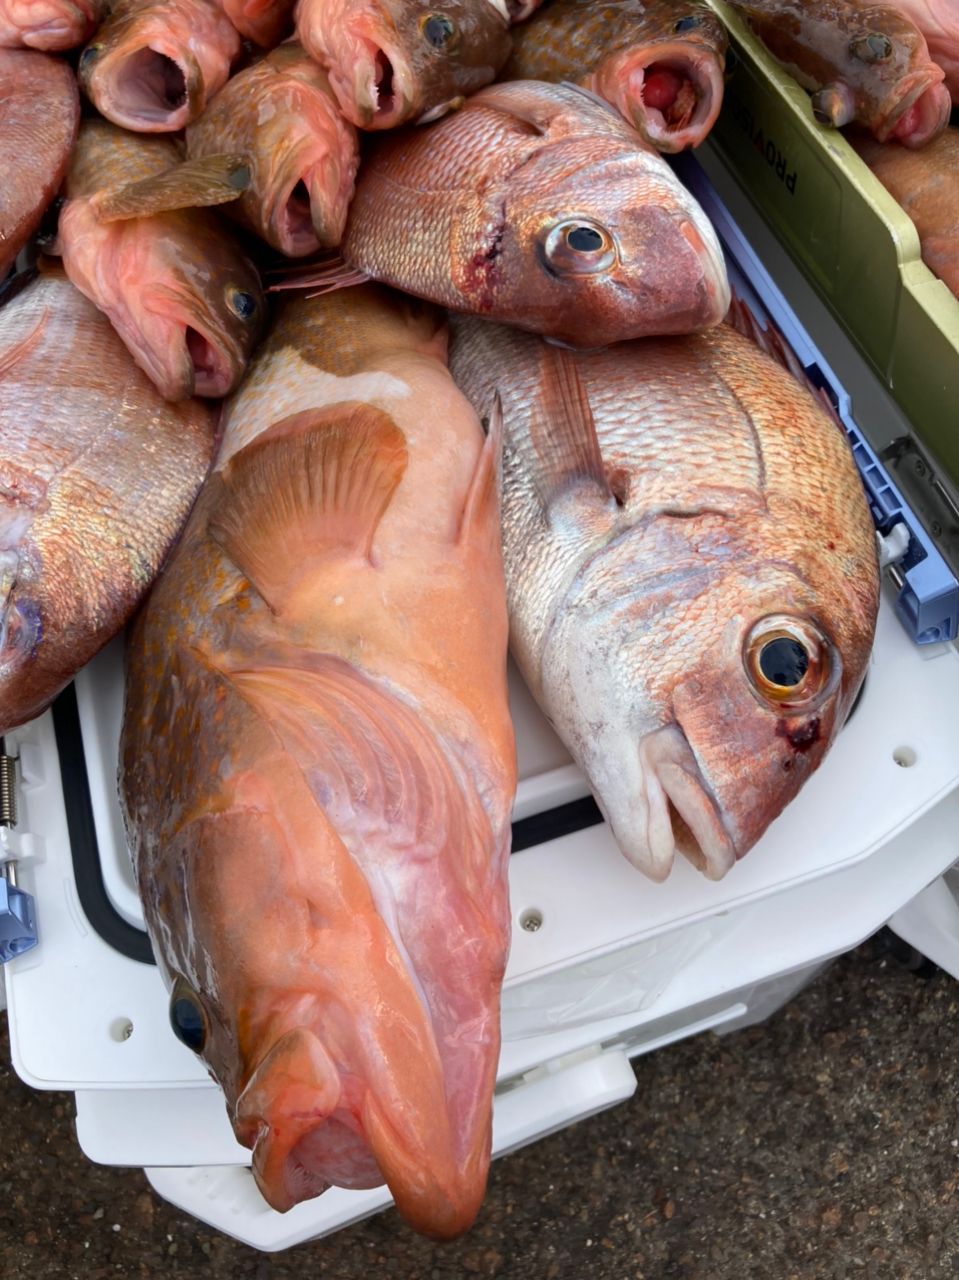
319 483
13 355
563 431
325 275
482 502
195 184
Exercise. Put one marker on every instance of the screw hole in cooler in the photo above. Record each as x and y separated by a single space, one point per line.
531 920
905 757
121 1029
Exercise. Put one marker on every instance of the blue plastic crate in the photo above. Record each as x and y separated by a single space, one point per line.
928 597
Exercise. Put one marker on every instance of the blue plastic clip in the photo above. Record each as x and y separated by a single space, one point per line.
18 921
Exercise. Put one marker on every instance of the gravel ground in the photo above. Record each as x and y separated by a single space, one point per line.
823 1144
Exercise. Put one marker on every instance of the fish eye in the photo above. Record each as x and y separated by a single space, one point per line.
240 303
90 54
438 30
871 48
689 23
578 247
787 660
187 1017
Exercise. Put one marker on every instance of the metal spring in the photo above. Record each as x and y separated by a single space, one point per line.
8 790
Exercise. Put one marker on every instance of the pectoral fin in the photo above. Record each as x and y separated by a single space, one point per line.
563 432
318 483
195 184
481 509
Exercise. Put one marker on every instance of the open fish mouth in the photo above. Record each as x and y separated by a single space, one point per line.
922 111
293 221
214 373
307 214
148 87
674 95
380 93
681 813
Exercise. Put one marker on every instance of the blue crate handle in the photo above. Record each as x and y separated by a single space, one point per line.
928 601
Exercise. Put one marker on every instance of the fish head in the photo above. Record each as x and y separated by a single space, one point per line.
354 1034
140 79
304 1015
403 60
199 311
611 250
707 688
669 86
304 158
897 89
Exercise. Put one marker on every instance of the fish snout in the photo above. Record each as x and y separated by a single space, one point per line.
925 116
291 1097
682 815
680 283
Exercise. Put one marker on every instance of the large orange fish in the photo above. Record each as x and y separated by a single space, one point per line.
155 63
691 572
538 206
39 112
176 285
317 764
98 477
866 64
659 62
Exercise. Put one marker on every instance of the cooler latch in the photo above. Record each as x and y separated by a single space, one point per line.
18 917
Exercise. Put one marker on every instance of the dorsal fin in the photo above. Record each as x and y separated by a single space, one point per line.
195 184
563 431
482 501
318 483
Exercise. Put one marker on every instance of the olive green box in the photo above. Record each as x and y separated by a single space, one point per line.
846 233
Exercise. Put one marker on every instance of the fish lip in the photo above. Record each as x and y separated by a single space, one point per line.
907 93
667 755
702 69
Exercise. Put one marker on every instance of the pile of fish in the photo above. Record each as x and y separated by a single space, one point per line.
893 72
326 513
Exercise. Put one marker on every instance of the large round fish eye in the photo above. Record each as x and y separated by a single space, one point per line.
871 48
689 23
578 246
240 303
90 54
187 1016
787 660
438 29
